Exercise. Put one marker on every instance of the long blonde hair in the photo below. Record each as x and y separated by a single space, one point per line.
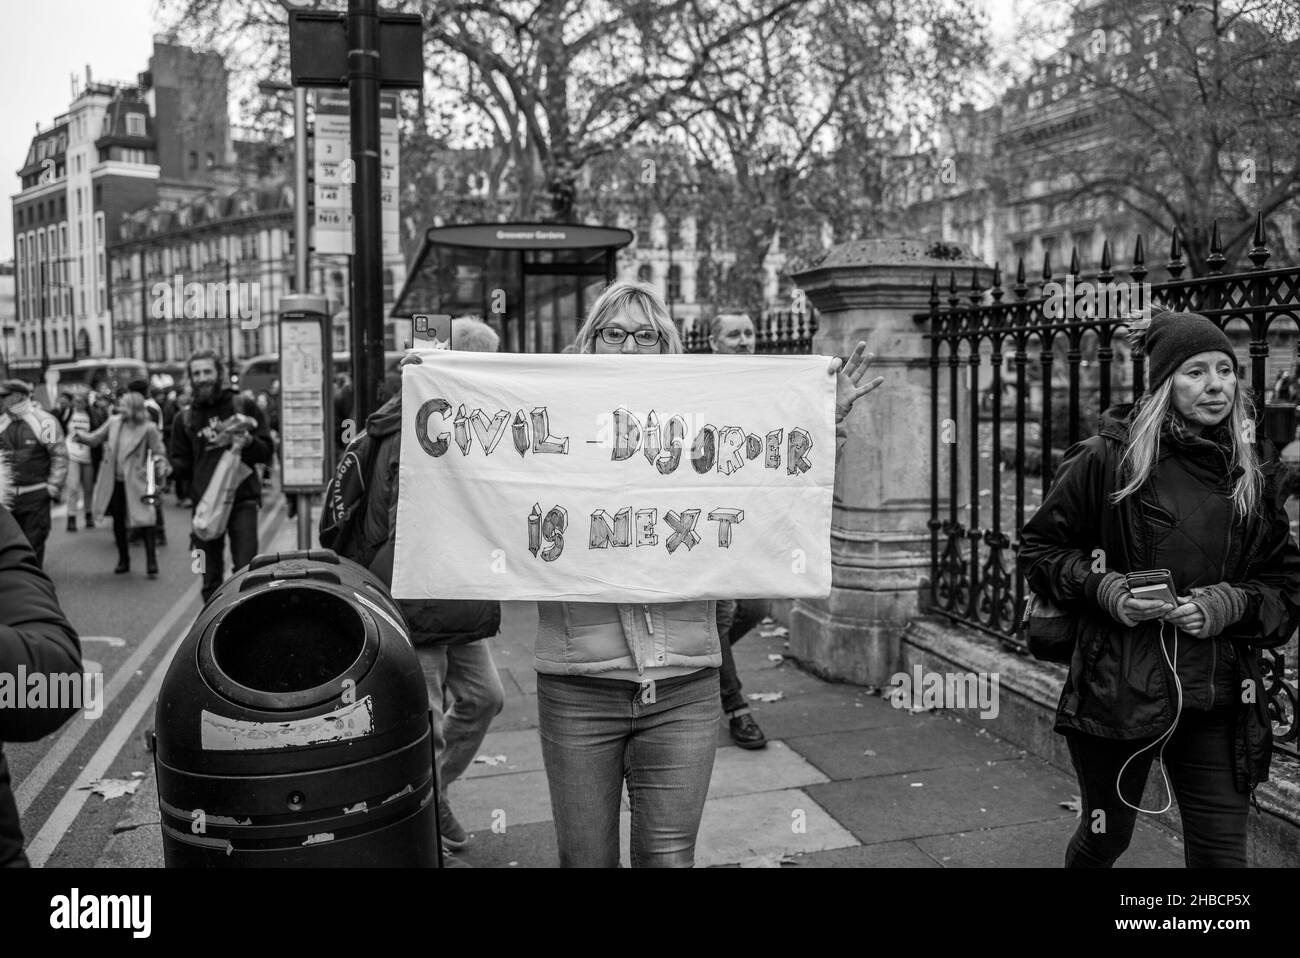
1143 448
639 300
132 408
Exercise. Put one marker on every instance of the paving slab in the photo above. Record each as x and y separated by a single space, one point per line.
519 798
519 846
737 771
920 742
882 855
522 750
766 825
517 712
942 801
834 708
1042 845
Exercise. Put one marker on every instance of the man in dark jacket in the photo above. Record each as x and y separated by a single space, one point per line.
199 439
33 439
35 639
447 634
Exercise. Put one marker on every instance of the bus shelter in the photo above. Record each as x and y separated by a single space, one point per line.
531 282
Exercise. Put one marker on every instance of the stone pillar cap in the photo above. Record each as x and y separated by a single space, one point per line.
896 251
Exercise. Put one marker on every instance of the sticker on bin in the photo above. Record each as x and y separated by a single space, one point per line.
401 630
220 734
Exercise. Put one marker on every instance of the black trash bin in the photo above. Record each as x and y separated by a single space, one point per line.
293 726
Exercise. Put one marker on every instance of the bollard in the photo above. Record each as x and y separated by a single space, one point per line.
293 726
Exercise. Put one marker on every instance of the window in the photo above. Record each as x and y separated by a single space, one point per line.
194 160
674 283
135 124
212 161
644 274
643 232
388 286
675 231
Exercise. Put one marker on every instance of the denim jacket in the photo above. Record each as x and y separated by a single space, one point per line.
587 638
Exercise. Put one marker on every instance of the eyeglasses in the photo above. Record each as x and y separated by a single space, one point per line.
617 336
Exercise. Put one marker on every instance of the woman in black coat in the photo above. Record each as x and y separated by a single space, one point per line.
1173 482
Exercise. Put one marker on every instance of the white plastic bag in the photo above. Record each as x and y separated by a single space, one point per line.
213 511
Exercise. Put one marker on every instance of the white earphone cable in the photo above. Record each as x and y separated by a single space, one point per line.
1163 740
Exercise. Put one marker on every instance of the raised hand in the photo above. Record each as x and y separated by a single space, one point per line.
848 385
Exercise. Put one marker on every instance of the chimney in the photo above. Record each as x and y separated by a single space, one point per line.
89 79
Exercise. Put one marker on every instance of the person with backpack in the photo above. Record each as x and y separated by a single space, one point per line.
1172 482
359 522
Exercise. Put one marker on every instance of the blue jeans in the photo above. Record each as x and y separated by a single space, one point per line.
465 675
596 733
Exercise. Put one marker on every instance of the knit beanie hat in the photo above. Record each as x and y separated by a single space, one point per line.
1172 338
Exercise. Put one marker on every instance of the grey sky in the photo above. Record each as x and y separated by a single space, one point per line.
48 41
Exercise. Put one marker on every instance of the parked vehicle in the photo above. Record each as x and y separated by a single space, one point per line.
101 375
259 372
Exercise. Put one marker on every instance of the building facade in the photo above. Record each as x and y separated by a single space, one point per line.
119 147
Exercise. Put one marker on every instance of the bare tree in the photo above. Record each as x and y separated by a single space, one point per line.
790 125
1191 117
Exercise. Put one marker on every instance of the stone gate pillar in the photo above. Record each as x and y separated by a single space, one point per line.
880 541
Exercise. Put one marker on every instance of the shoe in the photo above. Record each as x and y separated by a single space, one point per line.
152 571
746 733
160 538
453 832
122 567
72 523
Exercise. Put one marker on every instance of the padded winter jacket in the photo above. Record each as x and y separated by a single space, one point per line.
35 637
1119 685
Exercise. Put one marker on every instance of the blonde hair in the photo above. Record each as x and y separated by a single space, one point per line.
1142 451
131 406
639 301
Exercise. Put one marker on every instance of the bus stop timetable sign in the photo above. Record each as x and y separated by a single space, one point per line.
304 419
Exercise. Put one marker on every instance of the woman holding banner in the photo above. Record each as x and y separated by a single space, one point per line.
630 691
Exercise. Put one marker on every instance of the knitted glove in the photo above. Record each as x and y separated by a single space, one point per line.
1110 592
1223 604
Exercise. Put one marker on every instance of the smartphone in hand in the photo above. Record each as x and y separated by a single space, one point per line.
1153 584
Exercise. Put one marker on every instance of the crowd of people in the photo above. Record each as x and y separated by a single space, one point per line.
1172 487
112 455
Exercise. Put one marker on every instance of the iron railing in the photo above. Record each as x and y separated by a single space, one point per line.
972 578
779 332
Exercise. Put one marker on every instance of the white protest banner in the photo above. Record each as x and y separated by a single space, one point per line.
617 478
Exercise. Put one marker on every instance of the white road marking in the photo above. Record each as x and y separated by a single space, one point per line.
61 819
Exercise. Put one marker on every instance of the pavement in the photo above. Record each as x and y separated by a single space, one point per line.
846 780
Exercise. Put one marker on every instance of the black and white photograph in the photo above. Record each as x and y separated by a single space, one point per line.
717 434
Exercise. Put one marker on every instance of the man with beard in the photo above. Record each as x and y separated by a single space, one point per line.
733 334
198 442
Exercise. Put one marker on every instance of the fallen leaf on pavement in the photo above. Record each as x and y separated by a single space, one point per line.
918 784
871 752
767 861
113 787
778 631
765 696
773 657
1073 805
493 760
